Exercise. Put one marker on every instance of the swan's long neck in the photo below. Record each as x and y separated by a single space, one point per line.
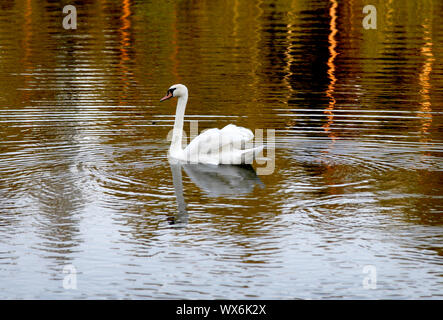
177 134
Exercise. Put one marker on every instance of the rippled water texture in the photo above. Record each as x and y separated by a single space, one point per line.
353 208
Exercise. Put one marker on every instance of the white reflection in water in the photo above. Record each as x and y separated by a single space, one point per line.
214 180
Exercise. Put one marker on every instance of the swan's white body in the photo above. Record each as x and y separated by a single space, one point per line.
213 146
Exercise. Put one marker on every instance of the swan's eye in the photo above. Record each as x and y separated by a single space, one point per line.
171 91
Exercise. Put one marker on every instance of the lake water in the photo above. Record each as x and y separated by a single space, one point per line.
90 206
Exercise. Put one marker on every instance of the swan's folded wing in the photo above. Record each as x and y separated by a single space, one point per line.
214 140
237 134
206 142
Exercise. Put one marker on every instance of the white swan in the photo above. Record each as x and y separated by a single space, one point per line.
213 146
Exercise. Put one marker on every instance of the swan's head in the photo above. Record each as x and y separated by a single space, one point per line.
177 90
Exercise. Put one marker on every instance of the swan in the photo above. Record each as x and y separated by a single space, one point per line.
213 146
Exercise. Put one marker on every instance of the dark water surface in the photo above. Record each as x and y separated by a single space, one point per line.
86 184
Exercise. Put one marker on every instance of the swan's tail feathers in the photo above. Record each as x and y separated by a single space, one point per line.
249 155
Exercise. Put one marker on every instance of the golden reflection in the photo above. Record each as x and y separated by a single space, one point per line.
289 50
174 56
425 85
27 66
125 43
235 22
256 48
389 14
331 70
235 30
351 20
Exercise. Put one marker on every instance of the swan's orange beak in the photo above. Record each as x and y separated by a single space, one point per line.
166 97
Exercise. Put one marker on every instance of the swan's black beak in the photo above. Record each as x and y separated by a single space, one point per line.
167 96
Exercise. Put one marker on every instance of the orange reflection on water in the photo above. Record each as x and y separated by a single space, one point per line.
126 24
424 80
125 43
331 70
289 52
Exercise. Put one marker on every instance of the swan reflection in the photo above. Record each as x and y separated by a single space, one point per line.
215 181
